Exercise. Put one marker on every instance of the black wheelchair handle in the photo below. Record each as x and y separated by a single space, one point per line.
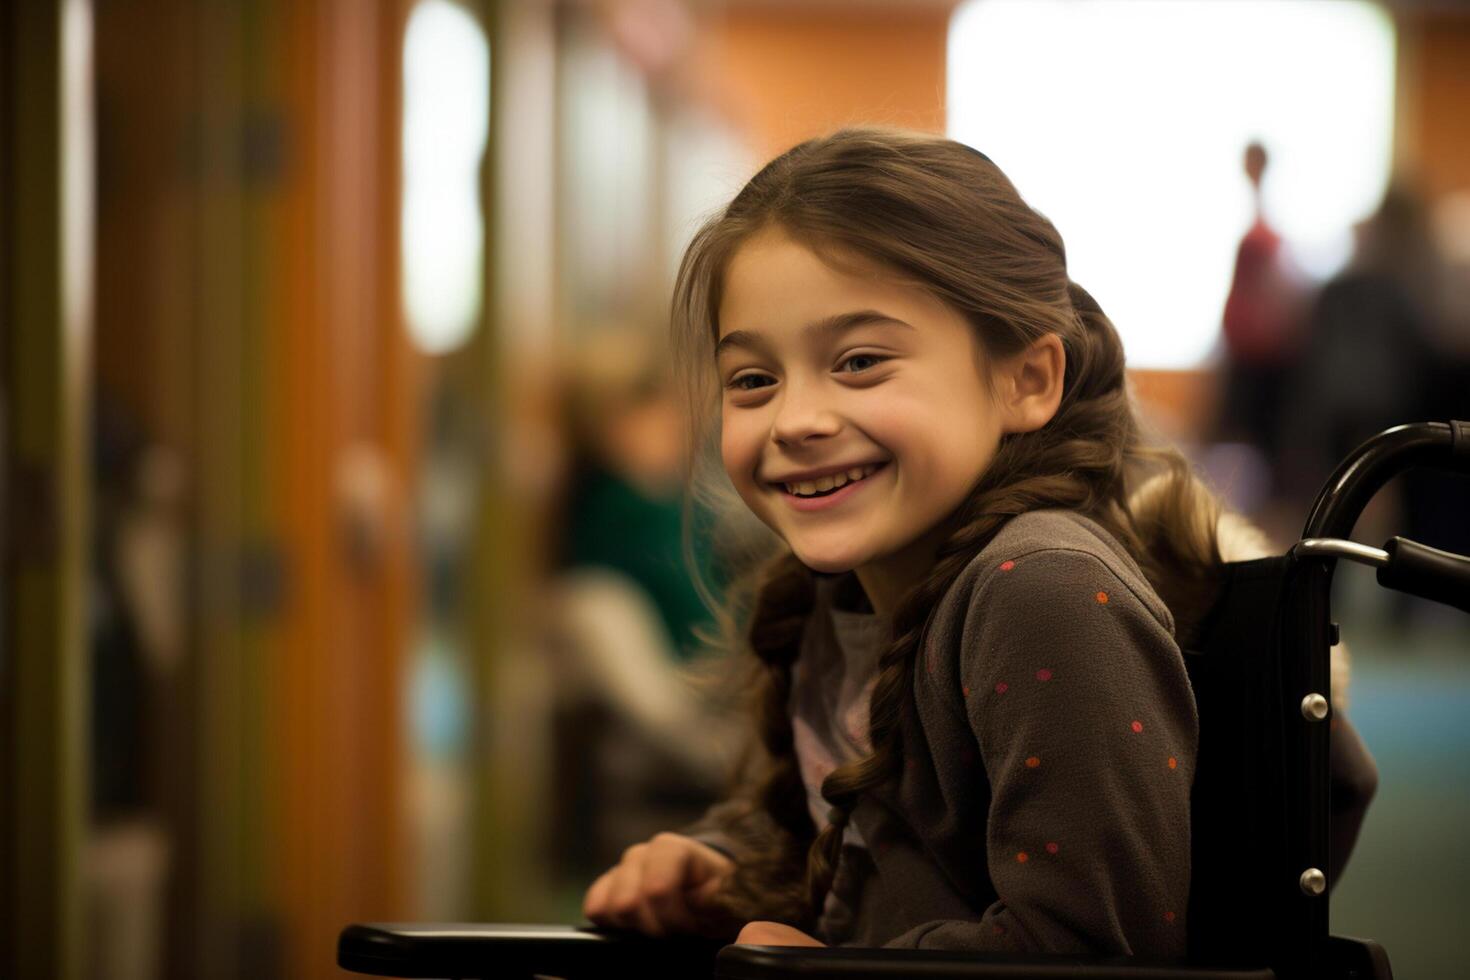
1438 445
1426 572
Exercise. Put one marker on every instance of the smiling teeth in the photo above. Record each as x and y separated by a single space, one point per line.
831 482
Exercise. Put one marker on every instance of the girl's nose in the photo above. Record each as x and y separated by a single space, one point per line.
803 416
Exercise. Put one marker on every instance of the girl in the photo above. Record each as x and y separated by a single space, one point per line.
975 727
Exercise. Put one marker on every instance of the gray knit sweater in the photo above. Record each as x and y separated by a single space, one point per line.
1048 751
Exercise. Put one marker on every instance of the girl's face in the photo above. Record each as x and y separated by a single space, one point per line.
855 413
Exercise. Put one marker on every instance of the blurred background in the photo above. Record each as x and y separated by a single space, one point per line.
341 505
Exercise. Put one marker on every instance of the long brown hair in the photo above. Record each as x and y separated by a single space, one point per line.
941 215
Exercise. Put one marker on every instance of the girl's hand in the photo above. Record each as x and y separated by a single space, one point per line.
663 887
774 934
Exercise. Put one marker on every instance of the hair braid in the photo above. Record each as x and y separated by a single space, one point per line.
844 785
764 884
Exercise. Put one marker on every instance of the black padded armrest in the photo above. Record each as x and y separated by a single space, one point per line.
772 962
517 952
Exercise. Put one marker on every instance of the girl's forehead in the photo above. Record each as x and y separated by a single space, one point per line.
772 278
781 287
774 242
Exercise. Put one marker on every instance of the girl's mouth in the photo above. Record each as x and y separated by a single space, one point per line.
828 491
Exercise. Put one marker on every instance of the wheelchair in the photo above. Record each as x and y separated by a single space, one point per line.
1259 807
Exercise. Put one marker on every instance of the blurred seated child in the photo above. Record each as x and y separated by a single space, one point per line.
637 746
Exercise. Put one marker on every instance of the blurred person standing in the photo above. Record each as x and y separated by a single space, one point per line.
1366 356
1450 335
1262 332
1441 503
1372 360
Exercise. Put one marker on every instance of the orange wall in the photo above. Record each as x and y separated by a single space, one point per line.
783 75
1179 404
1434 50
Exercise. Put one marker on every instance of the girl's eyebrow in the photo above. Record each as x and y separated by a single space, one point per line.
832 326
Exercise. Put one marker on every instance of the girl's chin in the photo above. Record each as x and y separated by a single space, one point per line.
827 563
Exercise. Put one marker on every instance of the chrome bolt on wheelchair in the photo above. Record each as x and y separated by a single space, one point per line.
1259 809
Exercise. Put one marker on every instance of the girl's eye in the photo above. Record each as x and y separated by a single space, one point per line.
858 363
750 382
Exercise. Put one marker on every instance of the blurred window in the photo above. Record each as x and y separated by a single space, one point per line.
705 164
608 184
1125 123
446 121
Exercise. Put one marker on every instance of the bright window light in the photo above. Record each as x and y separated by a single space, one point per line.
1125 122
607 145
446 120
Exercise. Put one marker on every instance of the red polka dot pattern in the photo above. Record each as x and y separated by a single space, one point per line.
1045 674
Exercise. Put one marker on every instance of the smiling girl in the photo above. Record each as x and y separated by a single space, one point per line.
975 727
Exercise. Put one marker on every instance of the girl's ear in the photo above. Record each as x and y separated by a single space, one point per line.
1030 385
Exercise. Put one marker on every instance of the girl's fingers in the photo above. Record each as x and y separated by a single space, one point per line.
622 895
594 903
627 904
665 876
660 887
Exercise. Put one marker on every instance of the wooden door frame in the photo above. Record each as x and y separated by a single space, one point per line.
44 339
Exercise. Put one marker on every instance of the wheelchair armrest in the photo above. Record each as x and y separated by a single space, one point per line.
517 952
773 962
1347 959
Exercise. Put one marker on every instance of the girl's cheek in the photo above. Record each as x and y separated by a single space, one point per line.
733 453
740 451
